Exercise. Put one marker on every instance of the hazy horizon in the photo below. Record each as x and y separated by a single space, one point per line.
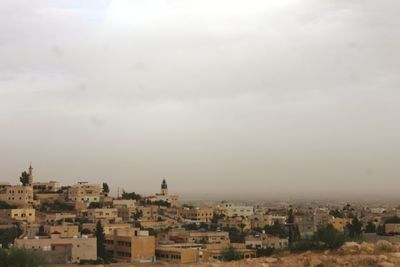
286 98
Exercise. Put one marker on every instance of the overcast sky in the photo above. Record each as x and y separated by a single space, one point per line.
220 97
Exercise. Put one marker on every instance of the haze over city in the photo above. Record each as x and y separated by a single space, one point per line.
225 98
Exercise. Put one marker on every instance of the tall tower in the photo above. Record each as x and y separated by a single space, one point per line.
164 188
30 173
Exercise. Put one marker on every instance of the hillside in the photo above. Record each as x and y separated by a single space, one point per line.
381 254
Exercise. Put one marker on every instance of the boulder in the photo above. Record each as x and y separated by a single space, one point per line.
315 262
350 248
396 254
270 260
386 264
367 248
384 246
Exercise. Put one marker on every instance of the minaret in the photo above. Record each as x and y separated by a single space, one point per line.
30 174
164 188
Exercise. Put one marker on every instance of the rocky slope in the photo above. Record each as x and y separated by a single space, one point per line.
383 254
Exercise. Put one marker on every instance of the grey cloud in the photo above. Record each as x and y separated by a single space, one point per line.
282 95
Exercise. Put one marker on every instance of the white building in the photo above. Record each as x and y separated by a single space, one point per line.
231 210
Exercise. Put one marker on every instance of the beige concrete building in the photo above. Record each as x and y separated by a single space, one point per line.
124 203
392 228
266 241
232 210
65 230
305 223
19 195
51 186
236 222
177 255
262 220
149 213
82 248
110 228
26 215
84 192
102 214
191 237
214 251
131 245
198 214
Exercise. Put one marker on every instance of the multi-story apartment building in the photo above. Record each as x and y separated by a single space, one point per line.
59 217
79 248
147 213
266 241
178 254
209 237
232 210
198 214
51 186
215 251
392 228
131 245
305 223
236 222
124 203
64 230
19 195
25 214
84 192
193 253
102 214
262 220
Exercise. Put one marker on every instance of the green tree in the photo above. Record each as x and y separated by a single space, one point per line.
230 254
41 231
336 213
56 206
276 229
290 217
8 235
235 236
355 228
101 249
216 217
293 232
191 227
16 257
380 230
264 252
132 195
329 237
136 216
24 178
370 228
94 205
5 205
86 231
106 189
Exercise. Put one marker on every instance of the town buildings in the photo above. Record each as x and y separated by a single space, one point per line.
79 247
22 214
83 192
198 214
132 245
